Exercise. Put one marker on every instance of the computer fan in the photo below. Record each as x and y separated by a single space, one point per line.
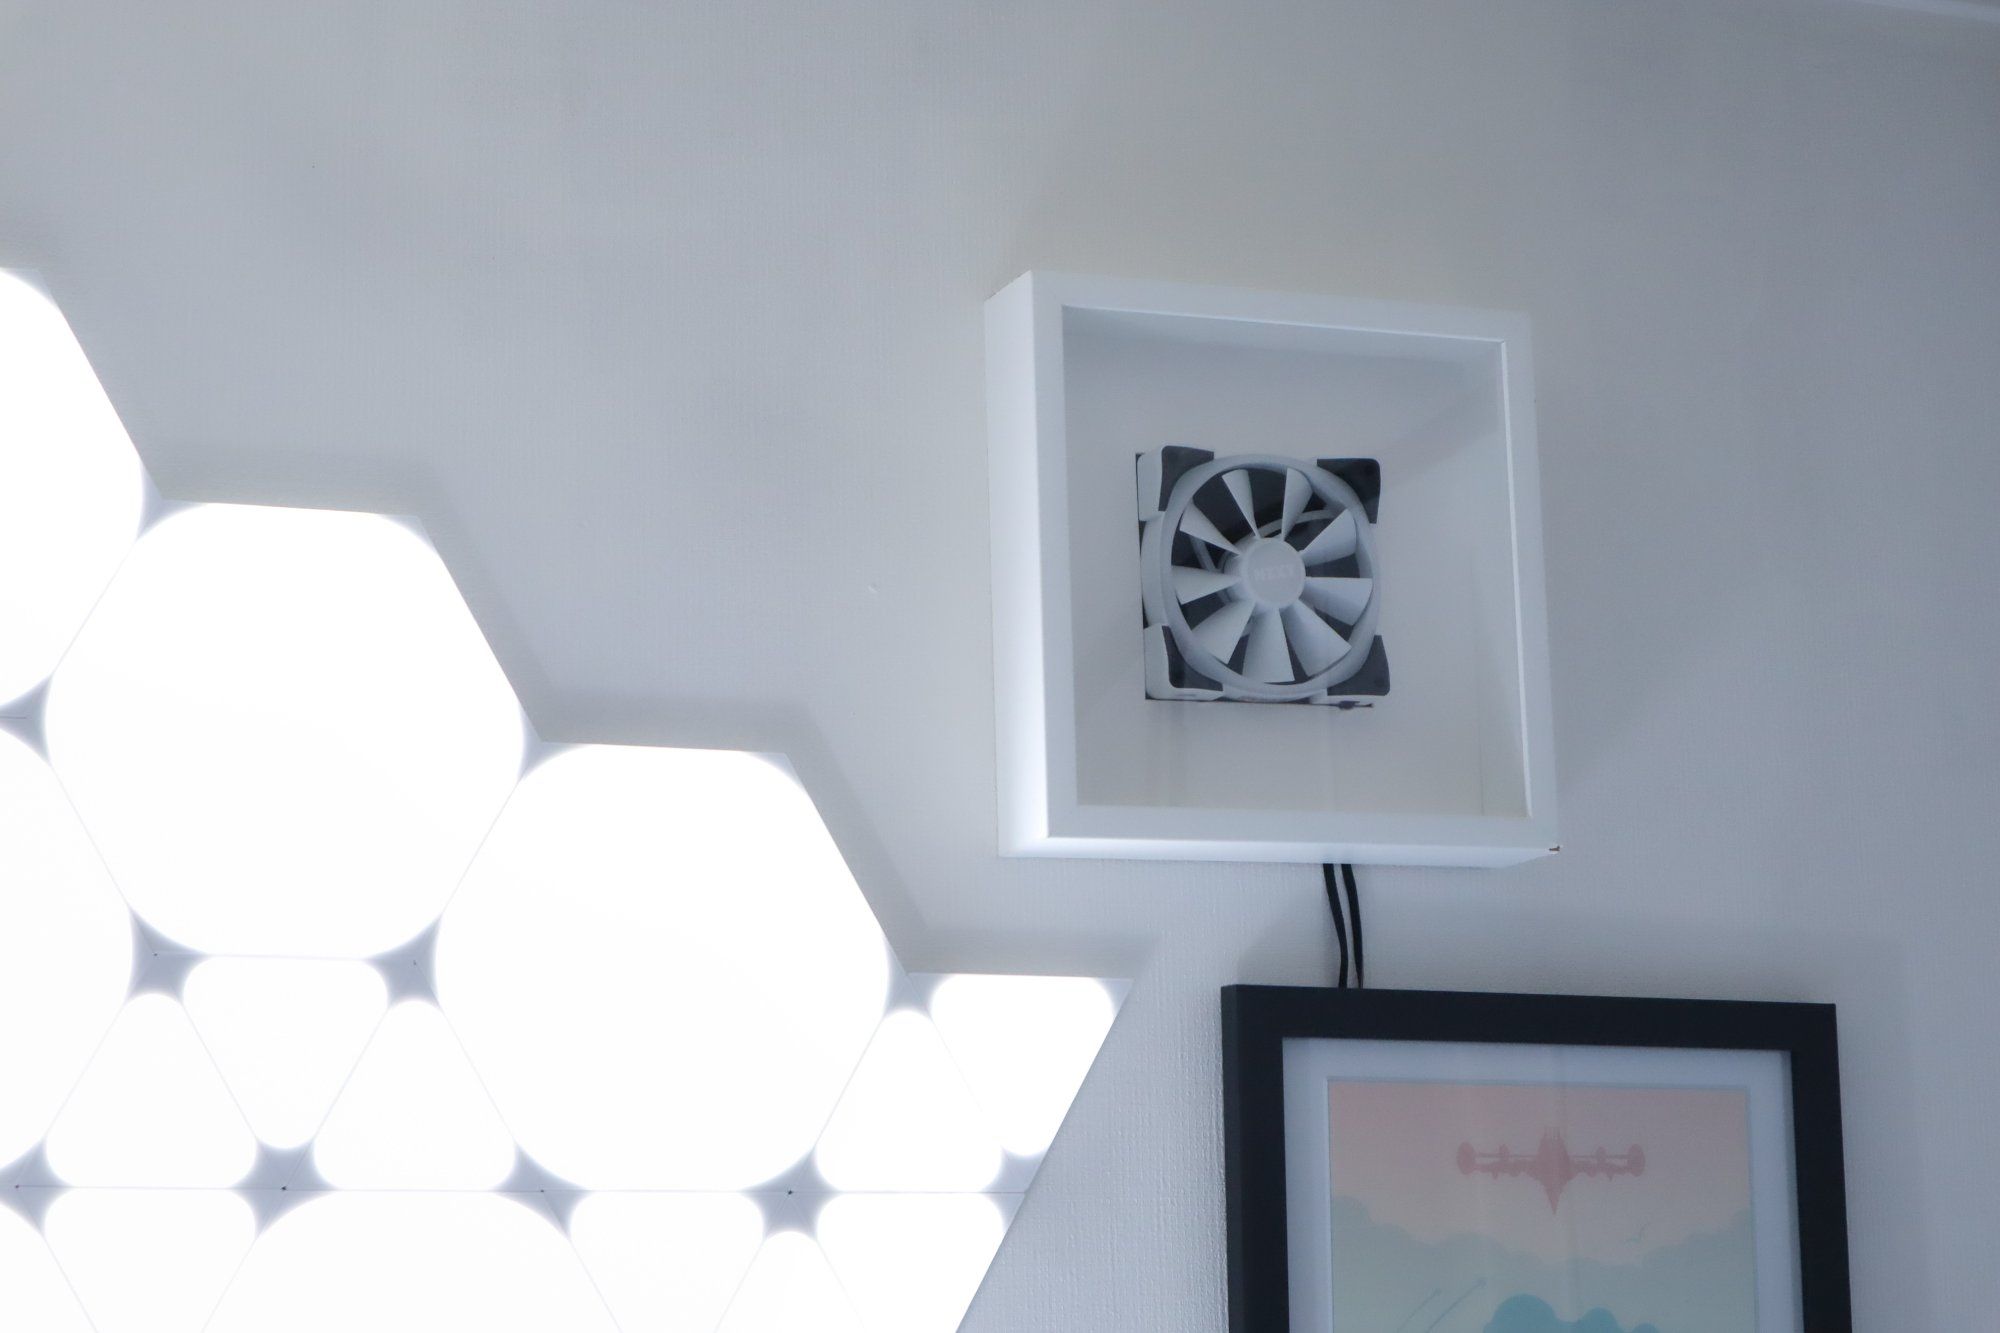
1258 577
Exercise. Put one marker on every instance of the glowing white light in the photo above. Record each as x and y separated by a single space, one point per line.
285 731
32 1290
1024 1044
414 1115
286 740
149 1261
667 1263
284 1034
907 1121
68 944
790 1289
412 1263
70 489
151 1110
662 968
911 1263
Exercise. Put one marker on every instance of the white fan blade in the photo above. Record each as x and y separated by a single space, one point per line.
1317 643
1191 584
1340 598
1266 658
1197 525
1221 632
1238 483
1297 491
1335 540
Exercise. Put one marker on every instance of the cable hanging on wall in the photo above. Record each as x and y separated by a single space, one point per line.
1339 877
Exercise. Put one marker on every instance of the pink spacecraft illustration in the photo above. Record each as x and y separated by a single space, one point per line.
1552 1165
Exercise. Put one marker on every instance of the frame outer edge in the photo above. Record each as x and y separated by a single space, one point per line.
1019 695
1826 1299
1257 1019
1253 1163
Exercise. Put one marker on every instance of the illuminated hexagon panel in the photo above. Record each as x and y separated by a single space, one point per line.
330 998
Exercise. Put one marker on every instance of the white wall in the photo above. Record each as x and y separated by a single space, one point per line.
666 318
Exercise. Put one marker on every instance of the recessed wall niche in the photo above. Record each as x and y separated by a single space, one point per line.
1452 761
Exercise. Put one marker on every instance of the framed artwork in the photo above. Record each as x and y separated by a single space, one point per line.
1434 1162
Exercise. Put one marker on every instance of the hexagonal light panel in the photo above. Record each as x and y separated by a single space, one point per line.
338 1000
284 730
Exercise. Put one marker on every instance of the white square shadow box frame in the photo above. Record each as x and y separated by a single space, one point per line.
1451 761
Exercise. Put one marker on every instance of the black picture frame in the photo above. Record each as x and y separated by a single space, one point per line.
1257 1020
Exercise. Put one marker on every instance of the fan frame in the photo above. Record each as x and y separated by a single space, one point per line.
1165 609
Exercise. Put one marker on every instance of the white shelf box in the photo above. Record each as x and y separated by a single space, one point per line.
1455 765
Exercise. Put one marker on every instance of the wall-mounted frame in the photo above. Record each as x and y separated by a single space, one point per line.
1454 765
1471 1163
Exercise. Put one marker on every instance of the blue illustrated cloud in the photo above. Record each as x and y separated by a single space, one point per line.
1526 1314
1386 1279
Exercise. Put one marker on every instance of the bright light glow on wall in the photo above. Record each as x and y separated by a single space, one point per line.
70 488
790 1288
1024 1044
414 1115
186 1131
412 1263
285 731
646 883
665 1262
66 942
907 1121
37 1294
146 1260
284 1033
911 1263
317 1013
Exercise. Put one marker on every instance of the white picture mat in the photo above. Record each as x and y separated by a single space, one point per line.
1311 1063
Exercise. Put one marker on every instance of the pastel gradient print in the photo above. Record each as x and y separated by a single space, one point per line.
1517 1208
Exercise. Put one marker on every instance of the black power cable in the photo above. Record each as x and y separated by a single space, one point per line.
1338 878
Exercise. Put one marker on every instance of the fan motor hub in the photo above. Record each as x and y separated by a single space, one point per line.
1273 574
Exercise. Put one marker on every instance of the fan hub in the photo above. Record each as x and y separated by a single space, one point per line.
1273 574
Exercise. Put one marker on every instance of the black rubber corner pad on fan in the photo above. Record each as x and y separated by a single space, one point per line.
1373 677
1364 475
1176 461
1182 676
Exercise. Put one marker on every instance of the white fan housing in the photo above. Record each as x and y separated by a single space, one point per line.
1258 578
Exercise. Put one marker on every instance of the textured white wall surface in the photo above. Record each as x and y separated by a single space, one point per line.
666 319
